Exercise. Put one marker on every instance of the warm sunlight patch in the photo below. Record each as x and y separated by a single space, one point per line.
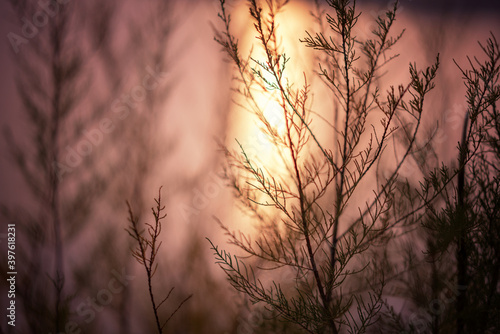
273 112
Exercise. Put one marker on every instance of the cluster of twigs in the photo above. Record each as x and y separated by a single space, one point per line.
310 232
145 252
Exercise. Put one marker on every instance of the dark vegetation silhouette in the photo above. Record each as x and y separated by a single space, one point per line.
342 273
345 241
53 81
78 107
145 253
92 141
451 262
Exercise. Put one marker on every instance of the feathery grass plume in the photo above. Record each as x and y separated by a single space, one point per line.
145 252
305 212
53 83
460 233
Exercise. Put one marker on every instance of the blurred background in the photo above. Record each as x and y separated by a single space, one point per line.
104 102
